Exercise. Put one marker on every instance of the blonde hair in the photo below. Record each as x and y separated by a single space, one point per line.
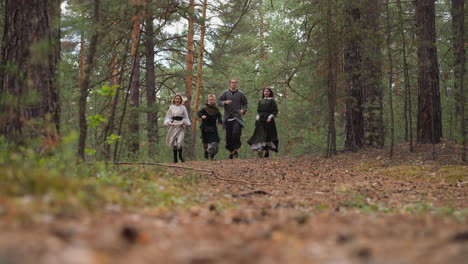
210 96
181 98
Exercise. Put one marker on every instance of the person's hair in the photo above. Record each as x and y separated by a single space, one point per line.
271 92
211 95
181 98
232 79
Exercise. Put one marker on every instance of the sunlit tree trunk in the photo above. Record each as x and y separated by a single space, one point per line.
201 47
429 109
29 96
85 87
458 17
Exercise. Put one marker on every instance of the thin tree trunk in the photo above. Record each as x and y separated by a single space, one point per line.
110 127
82 57
390 81
152 112
458 15
190 55
134 111
199 79
29 96
429 108
407 96
331 84
84 90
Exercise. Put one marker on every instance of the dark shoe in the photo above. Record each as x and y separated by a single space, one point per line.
180 156
206 154
236 155
175 155
212 157
267 154
231 156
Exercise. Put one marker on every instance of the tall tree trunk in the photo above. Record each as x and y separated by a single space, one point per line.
429 108
371 73
190 55
390 80
458 16
201 47
408 106
84 90
152 111
29 96
134 107
352 68
331 82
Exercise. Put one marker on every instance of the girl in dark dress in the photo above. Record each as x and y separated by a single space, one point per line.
210 115
265 137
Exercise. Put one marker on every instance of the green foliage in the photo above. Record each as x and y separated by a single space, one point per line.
106 90
421 207
365 204
95 120
113 139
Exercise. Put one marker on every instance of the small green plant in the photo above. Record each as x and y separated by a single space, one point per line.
365 204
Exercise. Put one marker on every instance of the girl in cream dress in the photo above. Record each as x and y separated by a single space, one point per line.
176 119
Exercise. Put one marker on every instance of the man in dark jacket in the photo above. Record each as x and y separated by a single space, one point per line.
235 106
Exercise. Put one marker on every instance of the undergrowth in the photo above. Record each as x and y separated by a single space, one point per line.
57 184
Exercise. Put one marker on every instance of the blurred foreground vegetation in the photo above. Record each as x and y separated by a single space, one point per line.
54 183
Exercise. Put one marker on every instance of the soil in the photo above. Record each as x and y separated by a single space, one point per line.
352 208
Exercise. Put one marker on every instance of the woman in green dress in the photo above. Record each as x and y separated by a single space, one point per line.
265 137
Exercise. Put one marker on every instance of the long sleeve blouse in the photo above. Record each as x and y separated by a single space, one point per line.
177 111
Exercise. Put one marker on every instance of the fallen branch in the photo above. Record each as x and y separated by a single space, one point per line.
196 169
162 164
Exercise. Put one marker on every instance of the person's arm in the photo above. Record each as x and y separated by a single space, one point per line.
221 99
220 120
244 103
186 117
274 111
168 118
201 112
257 117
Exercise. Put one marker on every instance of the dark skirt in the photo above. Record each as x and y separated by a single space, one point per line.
209 134
265 133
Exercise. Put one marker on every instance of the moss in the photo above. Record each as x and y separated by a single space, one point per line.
454 173
403 172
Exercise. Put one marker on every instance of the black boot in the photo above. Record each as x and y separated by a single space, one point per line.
180 155
175 155
212 157
206 154
267 154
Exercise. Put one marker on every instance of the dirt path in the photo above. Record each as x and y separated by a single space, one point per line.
353 208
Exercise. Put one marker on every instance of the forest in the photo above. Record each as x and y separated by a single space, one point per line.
371 123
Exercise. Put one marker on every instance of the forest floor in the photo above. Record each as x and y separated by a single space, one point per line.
352 208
